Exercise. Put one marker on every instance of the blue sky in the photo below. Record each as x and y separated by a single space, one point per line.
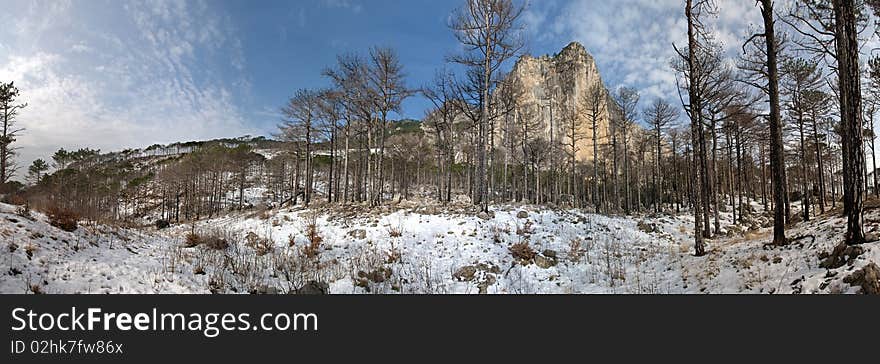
112 74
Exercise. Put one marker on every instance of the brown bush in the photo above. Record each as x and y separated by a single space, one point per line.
36 289
192 240
522 251
215 242
29 250
575 252
314 248
63 219
261 245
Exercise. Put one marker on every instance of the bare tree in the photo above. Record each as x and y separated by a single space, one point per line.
387 84
659 116
831 29
762 65
848 72
489 32
873 101
593 103
8 95
299 125
441 121
799 78
350 80
628 99
691 72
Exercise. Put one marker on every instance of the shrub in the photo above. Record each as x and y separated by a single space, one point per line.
393 255
262 246
36 289
162 224
522 251
313 249
192 240
29 250
63 219
575 252
315 239
215 242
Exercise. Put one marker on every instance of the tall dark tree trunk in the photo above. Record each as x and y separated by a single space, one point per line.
819 166
777 154
696 125
848 71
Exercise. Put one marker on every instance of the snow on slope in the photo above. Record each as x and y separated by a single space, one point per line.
93 259
421 249
433 247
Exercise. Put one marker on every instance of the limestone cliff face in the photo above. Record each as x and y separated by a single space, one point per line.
551 90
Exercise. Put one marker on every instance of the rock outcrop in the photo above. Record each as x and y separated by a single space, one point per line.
549 92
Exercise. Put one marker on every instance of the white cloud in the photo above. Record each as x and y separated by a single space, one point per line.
353 5
631 40
148 75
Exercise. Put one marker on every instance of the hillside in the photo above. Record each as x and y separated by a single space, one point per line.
419 248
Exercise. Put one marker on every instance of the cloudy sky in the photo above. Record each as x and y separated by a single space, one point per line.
112 74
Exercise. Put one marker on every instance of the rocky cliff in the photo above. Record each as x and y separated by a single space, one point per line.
551 90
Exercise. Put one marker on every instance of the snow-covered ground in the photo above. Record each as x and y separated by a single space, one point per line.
422 248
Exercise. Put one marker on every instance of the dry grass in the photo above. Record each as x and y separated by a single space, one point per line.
313 249
261 245
29 250
756 235
192 240
36 289
395 232
575 250
522 251
213 240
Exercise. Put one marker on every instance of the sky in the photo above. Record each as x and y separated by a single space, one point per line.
110 74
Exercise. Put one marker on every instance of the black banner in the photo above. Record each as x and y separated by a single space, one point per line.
415 328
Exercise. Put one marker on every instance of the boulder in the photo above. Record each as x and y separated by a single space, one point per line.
162 224
841 255
359 234
522 215
868 278
377 276
465 273
545 261
489 268
313 288
647 227
487 281
263 289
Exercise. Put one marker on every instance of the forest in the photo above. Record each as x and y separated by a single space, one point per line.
784 130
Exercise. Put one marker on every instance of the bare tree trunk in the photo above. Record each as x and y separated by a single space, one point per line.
777 154
851 119
595 166
696 120
821 169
